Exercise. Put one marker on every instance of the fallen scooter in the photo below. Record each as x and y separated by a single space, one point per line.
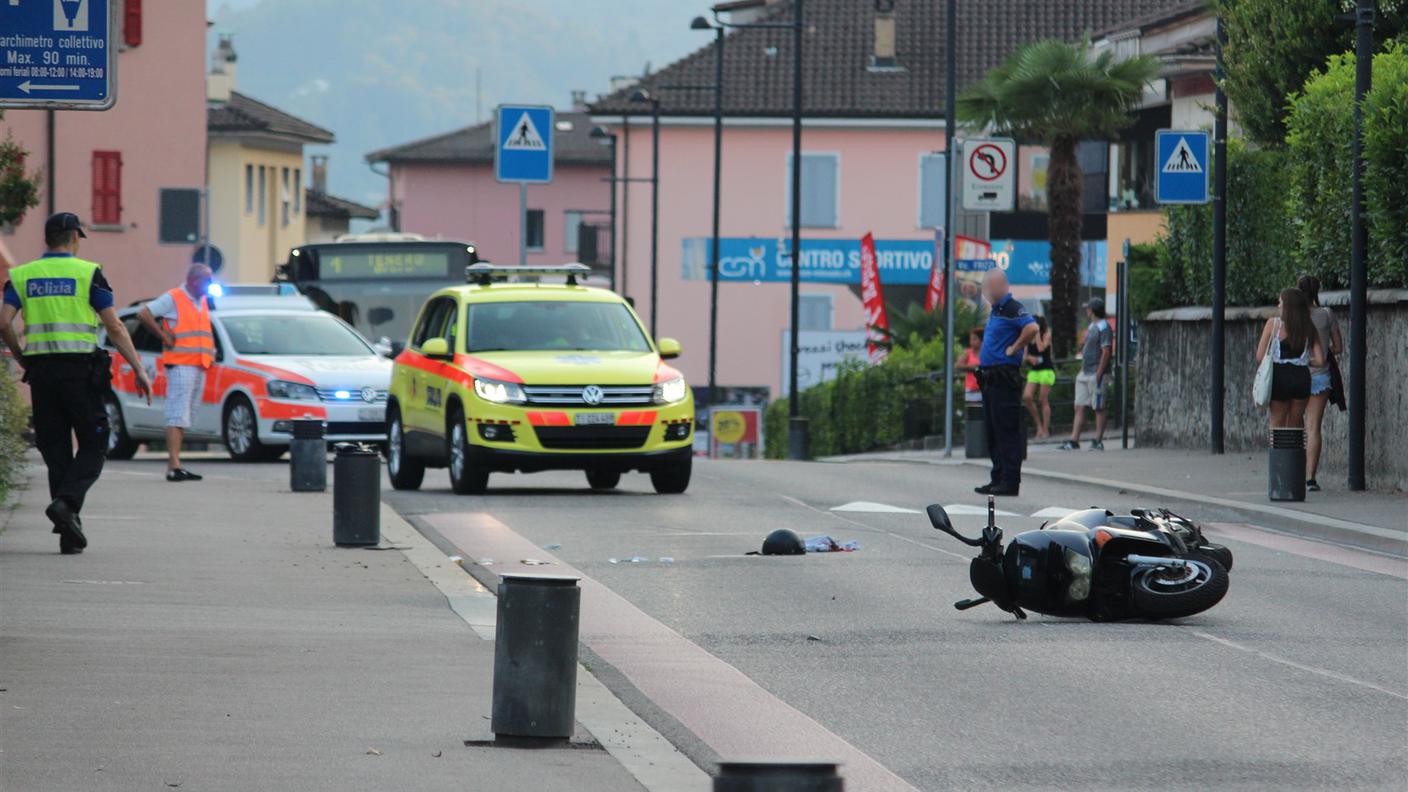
1149 564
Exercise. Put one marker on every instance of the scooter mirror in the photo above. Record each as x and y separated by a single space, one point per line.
939 518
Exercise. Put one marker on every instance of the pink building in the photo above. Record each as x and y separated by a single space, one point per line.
873 104
444 187
108 166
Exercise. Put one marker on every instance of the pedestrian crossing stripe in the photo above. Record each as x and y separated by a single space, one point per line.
871 507
524 136
1182 159
1054 511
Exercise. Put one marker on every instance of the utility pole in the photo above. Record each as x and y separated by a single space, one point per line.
950 110
797 430
1359 246
1219 255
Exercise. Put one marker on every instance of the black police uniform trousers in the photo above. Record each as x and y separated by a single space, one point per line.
68 403
1002 417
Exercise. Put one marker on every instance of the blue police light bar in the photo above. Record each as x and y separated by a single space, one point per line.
484 273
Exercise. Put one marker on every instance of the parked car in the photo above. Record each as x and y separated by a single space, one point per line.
277 359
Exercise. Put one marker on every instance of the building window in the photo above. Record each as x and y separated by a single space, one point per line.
814 311
298 191
284 199
535 229
571 224
933 189
107 187
820 190
248 189
131 23
263 194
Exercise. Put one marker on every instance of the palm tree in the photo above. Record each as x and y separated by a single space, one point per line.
1056 94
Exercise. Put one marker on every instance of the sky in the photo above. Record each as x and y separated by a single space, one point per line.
383 72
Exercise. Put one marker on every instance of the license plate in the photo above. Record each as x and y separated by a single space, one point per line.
371 414
596 418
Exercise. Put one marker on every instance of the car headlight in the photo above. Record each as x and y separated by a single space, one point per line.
499 392
283 389
671 391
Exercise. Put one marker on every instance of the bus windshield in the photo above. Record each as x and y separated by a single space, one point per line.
554 325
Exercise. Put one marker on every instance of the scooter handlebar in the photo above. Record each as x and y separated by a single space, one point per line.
939 519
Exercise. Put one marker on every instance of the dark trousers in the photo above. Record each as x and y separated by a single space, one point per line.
1002 416
68 404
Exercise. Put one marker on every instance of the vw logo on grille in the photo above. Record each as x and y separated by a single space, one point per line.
592 394
369 394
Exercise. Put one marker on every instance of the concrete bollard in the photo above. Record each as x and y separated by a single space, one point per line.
535 657
308 457
356 496
975 432
793 776
1286 465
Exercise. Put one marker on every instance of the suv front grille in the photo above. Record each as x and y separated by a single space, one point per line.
592 437
353 395
611 395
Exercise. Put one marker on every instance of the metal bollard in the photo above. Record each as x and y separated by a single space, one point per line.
308 457
1287 465
975 432
778 777
356 496
535 656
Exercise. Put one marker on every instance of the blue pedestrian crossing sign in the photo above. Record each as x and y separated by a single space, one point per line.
1182 160
58 54
523 150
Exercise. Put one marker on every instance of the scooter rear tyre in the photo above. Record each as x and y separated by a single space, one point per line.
1153 603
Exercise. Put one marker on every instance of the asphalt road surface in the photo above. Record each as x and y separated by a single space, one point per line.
1296 680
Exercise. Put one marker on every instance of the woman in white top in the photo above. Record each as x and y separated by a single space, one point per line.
1291 341
1328 331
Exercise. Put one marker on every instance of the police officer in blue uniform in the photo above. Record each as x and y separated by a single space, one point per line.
1009 330
64 300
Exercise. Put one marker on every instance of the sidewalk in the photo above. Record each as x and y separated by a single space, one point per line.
213 638
1378 520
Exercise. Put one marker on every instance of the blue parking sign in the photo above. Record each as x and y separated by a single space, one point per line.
523 150
1181 157
57 54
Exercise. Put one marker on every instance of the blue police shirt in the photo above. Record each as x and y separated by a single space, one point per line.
99 292
1005 324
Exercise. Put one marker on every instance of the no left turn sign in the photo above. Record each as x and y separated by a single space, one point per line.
987 162
989 178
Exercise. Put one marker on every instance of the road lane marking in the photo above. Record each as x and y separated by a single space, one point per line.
871 528
1355 558
721 707
1298 666
968 510
870 507
644 752
1056 512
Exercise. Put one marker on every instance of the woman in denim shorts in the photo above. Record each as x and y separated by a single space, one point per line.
1328 331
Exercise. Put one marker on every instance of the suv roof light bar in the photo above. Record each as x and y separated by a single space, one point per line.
484 273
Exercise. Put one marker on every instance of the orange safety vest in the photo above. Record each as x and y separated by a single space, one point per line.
195 343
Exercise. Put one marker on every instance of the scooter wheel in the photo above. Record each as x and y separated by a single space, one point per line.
1170 594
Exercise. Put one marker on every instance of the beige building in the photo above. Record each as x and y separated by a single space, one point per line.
258 209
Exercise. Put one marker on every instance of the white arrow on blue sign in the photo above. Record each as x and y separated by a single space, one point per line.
523 150
58 54
1181 157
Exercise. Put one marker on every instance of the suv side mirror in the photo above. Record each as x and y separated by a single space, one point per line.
437 348
669 348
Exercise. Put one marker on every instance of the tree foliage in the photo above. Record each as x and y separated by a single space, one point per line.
19 191
1057 93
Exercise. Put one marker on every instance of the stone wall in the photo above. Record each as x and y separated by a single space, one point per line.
1172 388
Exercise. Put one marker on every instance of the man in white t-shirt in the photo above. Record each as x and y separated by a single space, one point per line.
189 349
1093 377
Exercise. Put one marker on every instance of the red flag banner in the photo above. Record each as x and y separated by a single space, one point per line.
934 297
873 300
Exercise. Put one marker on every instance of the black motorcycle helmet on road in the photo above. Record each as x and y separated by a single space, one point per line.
784 542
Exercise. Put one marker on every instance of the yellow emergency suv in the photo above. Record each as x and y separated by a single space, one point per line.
512 373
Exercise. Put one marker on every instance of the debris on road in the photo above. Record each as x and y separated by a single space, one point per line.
666 560
534 562
553 546
373 752
825 544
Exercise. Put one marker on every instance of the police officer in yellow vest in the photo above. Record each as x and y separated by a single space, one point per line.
189 350
63 300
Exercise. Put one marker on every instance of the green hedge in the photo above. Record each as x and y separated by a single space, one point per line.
1320 140
14 418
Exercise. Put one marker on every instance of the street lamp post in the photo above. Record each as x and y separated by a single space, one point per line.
700 23
606 138
646 96
950 162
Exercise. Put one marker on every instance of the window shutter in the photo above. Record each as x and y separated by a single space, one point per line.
132 23
819 190
107 187
933 179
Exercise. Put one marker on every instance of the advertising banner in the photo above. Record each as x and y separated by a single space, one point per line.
768 260
934 295
872 300
820 354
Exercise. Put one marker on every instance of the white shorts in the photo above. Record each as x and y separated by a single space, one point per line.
1090 393
183 387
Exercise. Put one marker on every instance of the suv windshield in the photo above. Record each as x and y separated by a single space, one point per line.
293 334
553 325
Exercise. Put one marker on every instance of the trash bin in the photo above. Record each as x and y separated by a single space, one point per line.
1287 465
793 776
356 495
975 431
308 457
535 656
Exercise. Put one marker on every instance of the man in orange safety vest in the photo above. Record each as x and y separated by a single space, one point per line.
189 345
